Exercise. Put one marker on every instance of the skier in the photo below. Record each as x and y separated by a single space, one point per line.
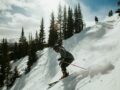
65 60
96 19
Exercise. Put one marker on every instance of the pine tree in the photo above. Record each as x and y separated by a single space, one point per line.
42 35
65 23
36 37
60 23
1 81
5 63
53 35
23 45
37 41
96 19
32 56
30 38
32 52
76 23
118 3
16 50
2 74
80 20
118 10
70 23
16 73
110 13
22 38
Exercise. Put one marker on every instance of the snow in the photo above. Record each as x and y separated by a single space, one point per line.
96 49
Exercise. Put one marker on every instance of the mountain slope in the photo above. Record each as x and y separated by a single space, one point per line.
96 48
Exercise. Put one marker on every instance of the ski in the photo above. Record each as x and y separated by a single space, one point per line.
53 83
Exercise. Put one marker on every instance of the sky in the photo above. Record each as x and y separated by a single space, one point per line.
15 14
98 4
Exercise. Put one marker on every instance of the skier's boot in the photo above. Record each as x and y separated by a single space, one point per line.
65 74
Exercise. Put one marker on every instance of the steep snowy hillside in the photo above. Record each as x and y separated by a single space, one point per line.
96 48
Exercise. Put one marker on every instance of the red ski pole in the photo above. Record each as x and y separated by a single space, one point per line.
75 65
78 66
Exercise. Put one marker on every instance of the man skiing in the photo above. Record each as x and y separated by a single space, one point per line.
65 60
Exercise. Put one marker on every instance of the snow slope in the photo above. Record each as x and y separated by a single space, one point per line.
96 48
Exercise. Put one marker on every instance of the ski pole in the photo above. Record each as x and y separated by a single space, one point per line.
78 66
75 65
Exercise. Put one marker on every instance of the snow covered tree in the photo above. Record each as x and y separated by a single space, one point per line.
16 72
12 77
53 35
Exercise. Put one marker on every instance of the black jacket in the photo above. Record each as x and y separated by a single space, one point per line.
65 54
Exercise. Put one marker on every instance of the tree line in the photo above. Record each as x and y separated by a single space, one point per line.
68 23
13 52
